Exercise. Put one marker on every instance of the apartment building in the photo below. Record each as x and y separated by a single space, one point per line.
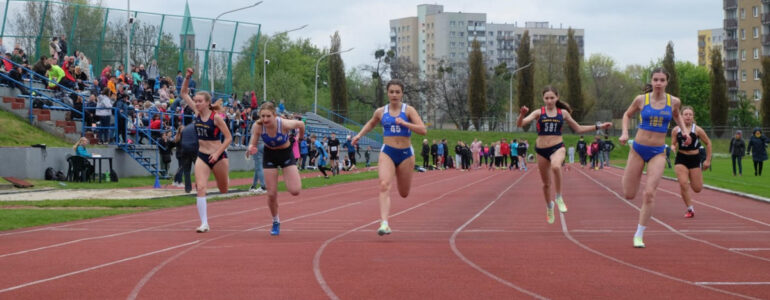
707 40
446 37
747 40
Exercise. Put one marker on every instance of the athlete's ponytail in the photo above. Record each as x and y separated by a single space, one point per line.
559 103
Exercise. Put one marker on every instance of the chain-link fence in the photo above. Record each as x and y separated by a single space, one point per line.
173 41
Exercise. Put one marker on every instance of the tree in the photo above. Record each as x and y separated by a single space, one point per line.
337 82
765 106
744 113
525 89
452 91
572 72
668 64
695 90
612 90
477 85
549 57
718 99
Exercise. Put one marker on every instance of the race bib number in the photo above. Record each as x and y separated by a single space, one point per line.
395 128
333 148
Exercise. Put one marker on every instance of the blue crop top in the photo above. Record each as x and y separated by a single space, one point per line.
389 126
207 131
655 120
279 139
549 125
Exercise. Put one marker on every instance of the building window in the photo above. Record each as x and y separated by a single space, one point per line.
743 34
451 33
743 13
756 74
755 11
491 33
756 53
757 95
743 54
452 54
743 75
452 23
462 44
461 23
756 32
461 33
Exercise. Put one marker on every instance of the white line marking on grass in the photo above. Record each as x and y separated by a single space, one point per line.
669 227
317 258
640 268
96 267
462 257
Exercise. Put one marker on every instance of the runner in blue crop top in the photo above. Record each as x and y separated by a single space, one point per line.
211 150
396 156
657 110
550 145
273 130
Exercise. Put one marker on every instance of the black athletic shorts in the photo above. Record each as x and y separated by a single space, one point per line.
691 161
274 158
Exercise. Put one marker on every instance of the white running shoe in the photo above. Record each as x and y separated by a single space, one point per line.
203 228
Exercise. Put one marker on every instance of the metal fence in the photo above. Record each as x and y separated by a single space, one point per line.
173 41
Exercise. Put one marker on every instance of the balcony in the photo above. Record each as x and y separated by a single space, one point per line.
766 18
392 34
731 44
732 84
731 64
731 24
766 40
731 4
481 39
476 28
505 37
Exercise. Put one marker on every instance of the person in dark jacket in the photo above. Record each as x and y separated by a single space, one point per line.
758 150
425 152
186 153
166 143
446 153
582 149
737 150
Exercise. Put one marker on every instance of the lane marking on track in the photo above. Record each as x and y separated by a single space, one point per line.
705 204
733 283
462 257
669 227
140 285
640 268
317 258
97 267
750 249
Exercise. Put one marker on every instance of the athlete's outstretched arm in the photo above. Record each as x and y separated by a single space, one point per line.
521 121
185 91
577 128
369 125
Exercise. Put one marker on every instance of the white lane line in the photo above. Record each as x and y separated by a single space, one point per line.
640 268
317 258
732 283
96 267
750 249
462 257
140 285
706 204
669 227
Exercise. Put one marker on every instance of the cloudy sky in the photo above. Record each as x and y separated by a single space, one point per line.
631 32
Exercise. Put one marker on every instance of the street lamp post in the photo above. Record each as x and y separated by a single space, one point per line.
510 99
264 61
214 45
315 106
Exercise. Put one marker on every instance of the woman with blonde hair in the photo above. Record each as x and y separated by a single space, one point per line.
80 149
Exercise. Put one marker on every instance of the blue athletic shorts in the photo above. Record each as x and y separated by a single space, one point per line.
397 155
648 152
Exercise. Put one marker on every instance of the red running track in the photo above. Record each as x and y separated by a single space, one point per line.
460 235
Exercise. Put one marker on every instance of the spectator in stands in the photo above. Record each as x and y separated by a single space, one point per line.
24 58
112 84
163 96
80 148
7 65
54 48
179 79
2 48
153 73
55 75
124 109
119 71
142 72
155 126
192 86
81 78
16 74
166 143
104 77
136 82
16 57
41 66
62 46
78 106
104 113
90 111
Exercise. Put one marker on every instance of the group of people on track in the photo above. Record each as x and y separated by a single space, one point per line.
399 120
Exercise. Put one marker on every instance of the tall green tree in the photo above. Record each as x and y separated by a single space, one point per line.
477 85
525 89
337 82
695 90
744 113
764 110
718 103
670 66
549 55
572 72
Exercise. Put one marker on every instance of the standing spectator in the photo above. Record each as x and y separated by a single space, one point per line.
258 183
186 153
153 73
143 73
303 152
514 155
582 150
440 154
179 79
737 150
458 154
446 153
367 154
351 152
523 146
103 113
498 154
192 86
123 109
758 150
595 154
334 145
136 82
165 143
466 156
434 154
62 46
607 147
505 151
54 49
425 153
475 150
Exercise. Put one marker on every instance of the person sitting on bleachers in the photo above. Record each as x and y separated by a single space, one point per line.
80 149
40 66
55 75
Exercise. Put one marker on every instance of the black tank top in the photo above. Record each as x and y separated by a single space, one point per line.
680 139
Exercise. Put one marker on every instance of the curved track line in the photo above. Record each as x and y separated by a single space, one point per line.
640 268
317 258
135 292
462 257
706 204
96 267
672 229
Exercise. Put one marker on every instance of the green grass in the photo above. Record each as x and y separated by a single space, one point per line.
127 182
17 132
16 214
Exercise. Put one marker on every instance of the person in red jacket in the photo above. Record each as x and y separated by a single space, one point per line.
505 150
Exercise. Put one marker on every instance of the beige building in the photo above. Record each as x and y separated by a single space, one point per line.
707 40
446 37
747 40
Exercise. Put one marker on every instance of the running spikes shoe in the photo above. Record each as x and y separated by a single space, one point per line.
560 204
276 230
549 215
384 229
203 228
638 242
689 214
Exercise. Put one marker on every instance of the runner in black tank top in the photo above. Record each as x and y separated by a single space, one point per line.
688 165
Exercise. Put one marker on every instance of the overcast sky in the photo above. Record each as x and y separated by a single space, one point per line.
631 32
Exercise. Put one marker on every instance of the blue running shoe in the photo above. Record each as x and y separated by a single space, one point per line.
276 230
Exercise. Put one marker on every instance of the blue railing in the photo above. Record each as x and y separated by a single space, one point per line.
375 136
